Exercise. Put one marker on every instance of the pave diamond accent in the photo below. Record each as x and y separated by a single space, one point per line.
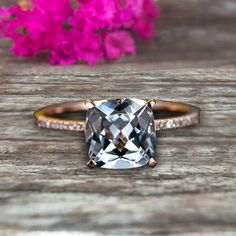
120 134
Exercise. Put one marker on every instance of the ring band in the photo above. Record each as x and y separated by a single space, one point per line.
189 115
120 133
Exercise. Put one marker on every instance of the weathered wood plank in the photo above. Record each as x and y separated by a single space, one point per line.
111 218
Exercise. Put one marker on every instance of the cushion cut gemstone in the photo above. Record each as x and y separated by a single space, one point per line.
120 134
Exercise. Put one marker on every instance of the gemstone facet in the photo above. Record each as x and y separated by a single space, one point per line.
120 134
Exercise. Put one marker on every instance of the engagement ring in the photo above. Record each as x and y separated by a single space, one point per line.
120 133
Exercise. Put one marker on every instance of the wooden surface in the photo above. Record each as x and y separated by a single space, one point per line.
45 187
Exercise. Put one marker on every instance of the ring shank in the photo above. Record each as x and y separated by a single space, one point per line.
189 115
45 117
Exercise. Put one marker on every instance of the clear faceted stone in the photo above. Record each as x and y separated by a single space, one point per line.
120 134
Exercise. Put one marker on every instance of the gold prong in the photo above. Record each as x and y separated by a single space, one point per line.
89 103
151 103
152 163
91 164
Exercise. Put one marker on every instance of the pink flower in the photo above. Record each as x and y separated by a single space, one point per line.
145 24
63 50
90 48
118 44
78 30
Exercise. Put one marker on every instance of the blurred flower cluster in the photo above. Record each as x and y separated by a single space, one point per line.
78 30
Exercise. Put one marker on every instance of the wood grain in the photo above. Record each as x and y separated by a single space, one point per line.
45 187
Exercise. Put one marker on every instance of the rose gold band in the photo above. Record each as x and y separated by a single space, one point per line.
45 117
